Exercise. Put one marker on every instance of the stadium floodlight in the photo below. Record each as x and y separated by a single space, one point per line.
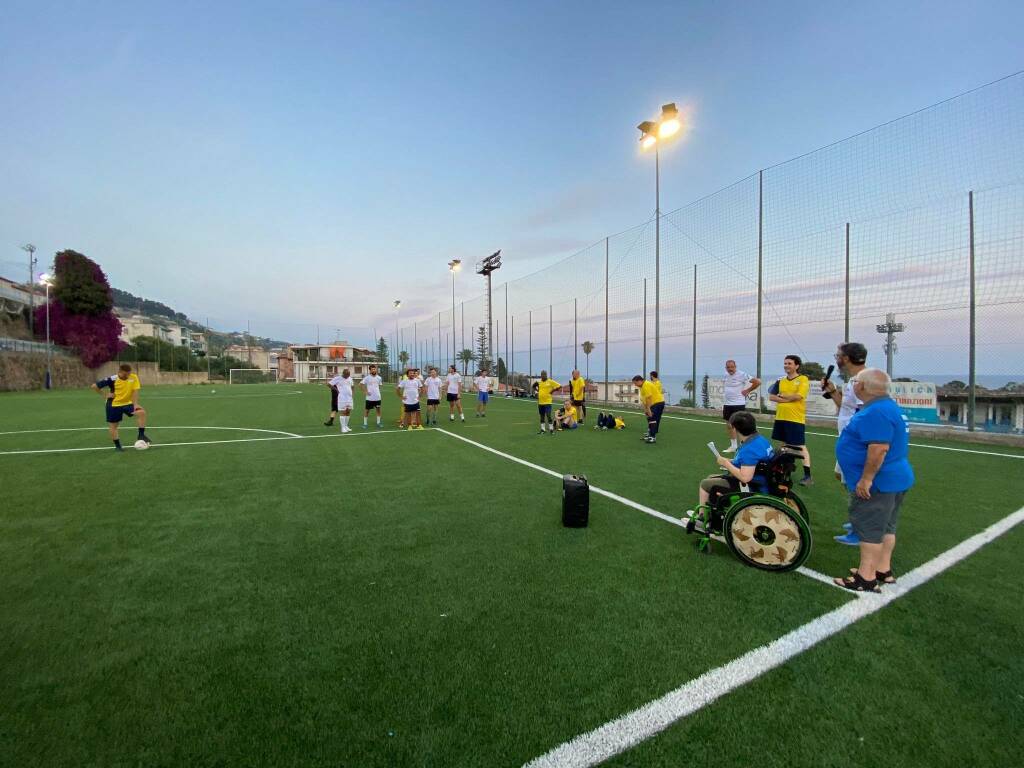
485 267
652 134
45 279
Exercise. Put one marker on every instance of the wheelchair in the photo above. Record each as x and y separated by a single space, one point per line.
766 530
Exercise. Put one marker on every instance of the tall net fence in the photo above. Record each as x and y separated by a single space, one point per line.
796 258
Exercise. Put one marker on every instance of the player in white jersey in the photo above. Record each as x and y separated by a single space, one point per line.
453 392
433 385
371 389
737 386
851 358
409 390
482 385
344 385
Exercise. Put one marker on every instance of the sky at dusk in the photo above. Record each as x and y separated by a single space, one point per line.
307 163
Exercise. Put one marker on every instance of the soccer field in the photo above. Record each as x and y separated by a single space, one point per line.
260 590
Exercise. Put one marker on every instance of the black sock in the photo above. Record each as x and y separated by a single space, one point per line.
807 471
117 443
142 432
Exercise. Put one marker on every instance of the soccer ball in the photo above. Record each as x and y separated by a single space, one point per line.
141 445
213 391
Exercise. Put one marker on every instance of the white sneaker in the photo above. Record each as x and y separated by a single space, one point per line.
730 449
345 430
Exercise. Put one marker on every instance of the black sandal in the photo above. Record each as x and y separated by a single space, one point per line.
857 583
882 577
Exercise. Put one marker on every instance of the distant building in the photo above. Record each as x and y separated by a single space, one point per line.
320 362
253 357
996 410
14 297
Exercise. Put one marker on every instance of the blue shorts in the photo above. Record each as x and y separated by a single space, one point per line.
483 397
117 412
788 432
544 410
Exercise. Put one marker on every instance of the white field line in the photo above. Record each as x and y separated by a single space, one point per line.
88 429
199 395
629 730
205 442
829 434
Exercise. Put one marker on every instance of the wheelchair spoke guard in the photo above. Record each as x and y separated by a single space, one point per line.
767 533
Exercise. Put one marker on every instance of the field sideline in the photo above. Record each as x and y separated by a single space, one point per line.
260 590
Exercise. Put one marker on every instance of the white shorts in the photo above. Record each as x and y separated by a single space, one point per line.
343 404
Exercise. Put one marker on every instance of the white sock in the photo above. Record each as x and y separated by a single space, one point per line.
364 421
732 445
378 421
344 422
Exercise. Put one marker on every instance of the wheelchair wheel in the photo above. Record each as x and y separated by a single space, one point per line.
766 533
797 504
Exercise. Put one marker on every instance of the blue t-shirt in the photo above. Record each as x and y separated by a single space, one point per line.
758 448
879 421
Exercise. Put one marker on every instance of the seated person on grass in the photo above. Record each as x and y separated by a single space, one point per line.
565 418
753 448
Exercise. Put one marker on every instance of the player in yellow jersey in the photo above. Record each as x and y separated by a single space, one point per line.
122 393
544 389
790 395
653 376
653 402
578 395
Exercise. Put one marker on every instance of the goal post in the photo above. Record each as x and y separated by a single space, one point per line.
252 376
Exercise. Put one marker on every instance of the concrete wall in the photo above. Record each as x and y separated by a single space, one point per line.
150 374
23 371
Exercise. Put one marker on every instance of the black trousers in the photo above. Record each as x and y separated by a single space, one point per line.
655 419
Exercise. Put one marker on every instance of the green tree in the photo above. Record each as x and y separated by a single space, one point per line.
813 371
502 369
466 356
403 358
588 347
81 285
481 348
955 385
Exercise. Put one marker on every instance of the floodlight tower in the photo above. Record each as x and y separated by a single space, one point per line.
485 268
654 134
890 328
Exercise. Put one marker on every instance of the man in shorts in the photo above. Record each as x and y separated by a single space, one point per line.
342 387
737 386
790 393
873 454
409 390
544 389
453 393
371 391
122 394
578 395
482 385
433 385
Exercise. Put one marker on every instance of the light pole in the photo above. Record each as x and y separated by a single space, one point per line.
652 134
890 328
486 267
31 251
48 281
454 266
398 306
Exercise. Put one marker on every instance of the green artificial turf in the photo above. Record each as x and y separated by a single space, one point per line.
409 599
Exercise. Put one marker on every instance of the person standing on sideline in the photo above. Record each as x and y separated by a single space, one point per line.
657 382
482 385
578 396
334 401
791 413
544 389
850 358
371 390
873 453
737 386
454 393
653 402
433 385
342 387
122 393
409 390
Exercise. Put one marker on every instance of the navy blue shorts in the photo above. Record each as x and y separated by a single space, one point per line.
433 402
411 407
452 397
544 410
117 412
788 432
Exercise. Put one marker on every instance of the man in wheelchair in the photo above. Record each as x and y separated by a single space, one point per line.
741 473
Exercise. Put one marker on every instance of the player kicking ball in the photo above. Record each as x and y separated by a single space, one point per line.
122 393
433 385
371 390
344 385
454 393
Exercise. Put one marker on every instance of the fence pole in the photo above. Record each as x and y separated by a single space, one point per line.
506 338
694 360
760 279
530 356
846 303
512 351
644 369
971 360
551 340
463 326
607 394
416 344
575 339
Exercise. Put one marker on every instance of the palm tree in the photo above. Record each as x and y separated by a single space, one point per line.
466 356
588 347
403 358
688 386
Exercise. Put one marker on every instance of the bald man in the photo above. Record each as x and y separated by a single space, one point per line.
873 455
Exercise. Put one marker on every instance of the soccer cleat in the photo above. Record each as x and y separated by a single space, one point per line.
451 418
365 426
730 449
805 481
345 430
329 423
119 449
146 439
542 432
850 539
418 426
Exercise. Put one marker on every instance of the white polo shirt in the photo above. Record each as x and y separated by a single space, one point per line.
372 384
735 383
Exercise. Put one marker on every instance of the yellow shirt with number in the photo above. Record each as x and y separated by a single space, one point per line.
579 388
650 393
544 390
797 410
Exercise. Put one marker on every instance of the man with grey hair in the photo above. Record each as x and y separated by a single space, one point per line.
872 452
